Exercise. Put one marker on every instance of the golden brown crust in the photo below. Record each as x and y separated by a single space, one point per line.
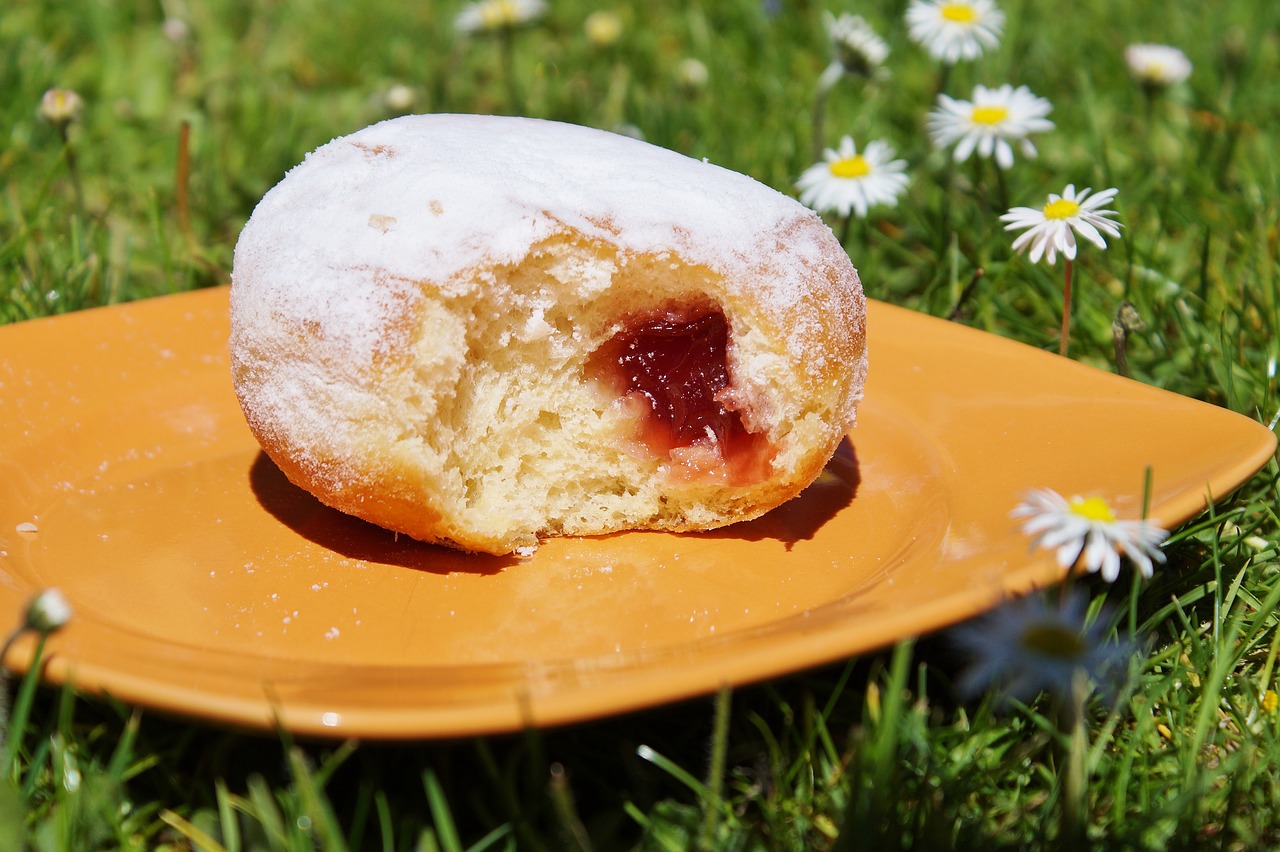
452 401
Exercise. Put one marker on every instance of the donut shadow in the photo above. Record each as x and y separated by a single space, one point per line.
354 538
800 518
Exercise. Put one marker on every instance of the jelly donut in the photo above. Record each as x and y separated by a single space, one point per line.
481 331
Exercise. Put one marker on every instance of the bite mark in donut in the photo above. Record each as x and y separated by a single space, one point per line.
671 373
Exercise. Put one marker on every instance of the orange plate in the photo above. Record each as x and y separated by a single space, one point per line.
203 583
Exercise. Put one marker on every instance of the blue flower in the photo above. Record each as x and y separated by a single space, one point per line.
1040 644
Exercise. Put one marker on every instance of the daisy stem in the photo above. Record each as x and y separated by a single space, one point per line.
1072 812
944 74
979 182
507 48
69 155
182 182
943 228
1002 188
819 120
715 771
828 79
1068 273
1148 110
846 229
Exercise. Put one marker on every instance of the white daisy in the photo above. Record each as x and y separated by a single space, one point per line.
952 30
47 612
61 106
990 122
603 28
1157 66
176 30
485 16
692 74
858 48
848 181
1052 228
400 98
1032 645
1087 527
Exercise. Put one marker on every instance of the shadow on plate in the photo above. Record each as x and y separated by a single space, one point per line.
800 518
356 539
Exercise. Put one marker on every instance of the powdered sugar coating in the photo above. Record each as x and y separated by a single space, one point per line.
413 308
430 197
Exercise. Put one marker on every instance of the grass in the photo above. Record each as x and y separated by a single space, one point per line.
181 136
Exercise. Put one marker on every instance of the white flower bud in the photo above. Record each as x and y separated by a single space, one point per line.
47 611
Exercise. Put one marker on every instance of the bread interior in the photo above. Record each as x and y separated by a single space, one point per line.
520 438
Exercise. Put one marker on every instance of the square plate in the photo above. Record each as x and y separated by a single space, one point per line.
206 585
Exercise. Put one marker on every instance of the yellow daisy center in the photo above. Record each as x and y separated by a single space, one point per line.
992 115
958 13
1053 640
1091 508
851 167
1062 209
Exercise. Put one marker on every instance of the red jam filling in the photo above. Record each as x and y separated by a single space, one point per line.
671 371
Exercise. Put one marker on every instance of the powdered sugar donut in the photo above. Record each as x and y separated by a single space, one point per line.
480 331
